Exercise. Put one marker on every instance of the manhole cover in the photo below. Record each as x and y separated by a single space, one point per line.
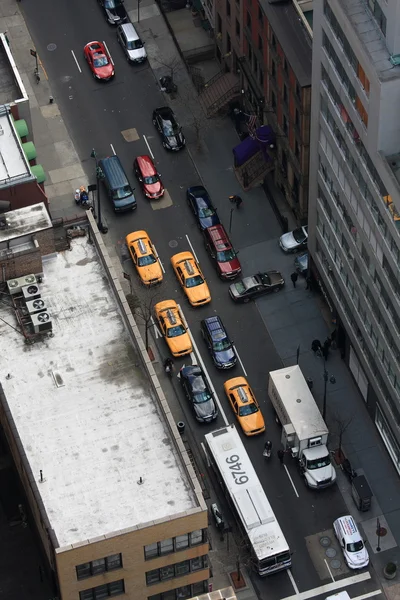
335 563
330 552
173 244
51 47
325 541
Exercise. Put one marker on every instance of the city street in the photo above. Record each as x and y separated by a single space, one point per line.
100 115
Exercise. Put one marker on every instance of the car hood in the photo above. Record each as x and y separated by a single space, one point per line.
205 409
209 221
275 277
199 292
179 343
105 71
153 188
137 54
252 422
116 14
123 202
322 474
225 356
151 272
287 240
358 559
229 266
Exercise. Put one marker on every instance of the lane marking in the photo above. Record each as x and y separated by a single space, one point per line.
157 332
192 249
291 481
198 355
108 52
148 145
159 259
290 574
76 60
330 572
329 587
369 595
113 151
239 359
206 454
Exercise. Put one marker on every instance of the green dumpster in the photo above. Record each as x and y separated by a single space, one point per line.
38 172
21 128
30 150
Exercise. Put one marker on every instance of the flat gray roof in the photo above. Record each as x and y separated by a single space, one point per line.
9 90
13 163
84 410
25 221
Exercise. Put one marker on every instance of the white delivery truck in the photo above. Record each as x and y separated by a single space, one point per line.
304 432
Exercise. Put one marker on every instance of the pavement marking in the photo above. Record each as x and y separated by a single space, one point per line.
296 589
113 151
291 481
194 253
130 135
210 383
164 202
76 60
239 359
329 587
108 52
43 69
159 259
148 145
369 595
330 572
206 454
157 332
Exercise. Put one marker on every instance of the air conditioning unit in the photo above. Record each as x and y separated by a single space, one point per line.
15 285
35 306
41 322
31 292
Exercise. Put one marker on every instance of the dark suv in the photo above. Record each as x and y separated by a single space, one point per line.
218 343
221 252
198 393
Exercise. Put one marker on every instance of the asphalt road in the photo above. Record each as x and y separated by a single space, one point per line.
95 115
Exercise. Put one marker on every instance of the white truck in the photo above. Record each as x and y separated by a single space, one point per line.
304 432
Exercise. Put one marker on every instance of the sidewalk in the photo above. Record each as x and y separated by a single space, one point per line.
293 318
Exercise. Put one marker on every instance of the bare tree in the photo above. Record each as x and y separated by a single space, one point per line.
198 119
237 553
143 309
341 424
173 64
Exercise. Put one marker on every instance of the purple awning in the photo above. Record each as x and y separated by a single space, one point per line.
250 146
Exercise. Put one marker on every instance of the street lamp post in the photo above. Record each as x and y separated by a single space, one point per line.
99 179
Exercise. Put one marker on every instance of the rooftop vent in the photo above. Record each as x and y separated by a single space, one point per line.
31 292
35 306
41 322
15 285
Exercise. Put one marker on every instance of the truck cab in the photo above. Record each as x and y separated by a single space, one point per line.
316 466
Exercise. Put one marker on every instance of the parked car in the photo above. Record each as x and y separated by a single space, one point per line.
99 61
244 405
148 177
172 327
117 184
351 543
131 43
144 257
114 11
218 343
169 129
202 207
191 278
301 264
295 240
197 391
257 285
221 252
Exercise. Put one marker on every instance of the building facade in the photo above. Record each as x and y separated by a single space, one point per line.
354 201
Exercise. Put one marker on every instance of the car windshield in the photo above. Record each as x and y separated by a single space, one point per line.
170 128
112 3
355 547
240 287
318 463
122 192
100 61
135 45
151 179
298 235
264 278
220 345
193 281
226 255
143 261
248 409
175 331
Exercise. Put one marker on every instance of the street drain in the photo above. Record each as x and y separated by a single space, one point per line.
173 244
330 552
335 563
325 541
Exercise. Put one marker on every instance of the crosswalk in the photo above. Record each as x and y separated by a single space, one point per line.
359 587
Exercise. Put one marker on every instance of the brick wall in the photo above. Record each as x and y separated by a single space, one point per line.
23 263
46 242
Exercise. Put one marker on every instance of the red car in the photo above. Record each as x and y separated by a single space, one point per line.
148 177
221 252
99 60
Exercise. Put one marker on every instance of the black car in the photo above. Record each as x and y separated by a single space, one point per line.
218 343
169 129
257 285
114 11
196 389
202 207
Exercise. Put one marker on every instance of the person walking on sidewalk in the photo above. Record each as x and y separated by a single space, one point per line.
308 283
294 278
281 455
316 347
236 200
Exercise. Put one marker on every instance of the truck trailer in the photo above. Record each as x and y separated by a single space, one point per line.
304 432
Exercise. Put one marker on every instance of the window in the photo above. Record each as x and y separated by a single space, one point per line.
249 51
228 8
182 568
100 565
298 91
248 20
285 94
378 14
361 111
261 78
219 23
228 43
260 43
108 590
285 125
167 572
176 570
260 14
273 42
255 65
273 69
237 28
182 541
285 66
273 100
166 546
363 78
297 149
183 592
175 544
297 118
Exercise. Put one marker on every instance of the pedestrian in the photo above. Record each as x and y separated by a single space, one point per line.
281 455
308 283
238 201
333 339
316 347
325 349
294 278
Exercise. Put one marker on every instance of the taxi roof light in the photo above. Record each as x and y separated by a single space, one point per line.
142 247
171 317
189 267
242 395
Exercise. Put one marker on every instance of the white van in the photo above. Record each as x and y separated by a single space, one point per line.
131 43
353 548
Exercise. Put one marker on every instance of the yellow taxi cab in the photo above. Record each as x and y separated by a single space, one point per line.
191 278
172 327
245 405
145 257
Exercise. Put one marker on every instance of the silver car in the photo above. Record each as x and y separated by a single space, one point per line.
131 43
295 240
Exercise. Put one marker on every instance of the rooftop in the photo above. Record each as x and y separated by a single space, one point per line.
84 411
24 221
9 90
13 163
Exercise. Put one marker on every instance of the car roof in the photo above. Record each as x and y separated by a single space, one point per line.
214 325
219 236
146 164
239 385
192 370
129 31
349 528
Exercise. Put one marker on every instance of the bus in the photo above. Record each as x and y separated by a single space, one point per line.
269 548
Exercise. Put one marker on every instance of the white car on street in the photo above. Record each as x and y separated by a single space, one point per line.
351 543
295 240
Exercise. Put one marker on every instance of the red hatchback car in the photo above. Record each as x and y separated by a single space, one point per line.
221 252
147 175
99 60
